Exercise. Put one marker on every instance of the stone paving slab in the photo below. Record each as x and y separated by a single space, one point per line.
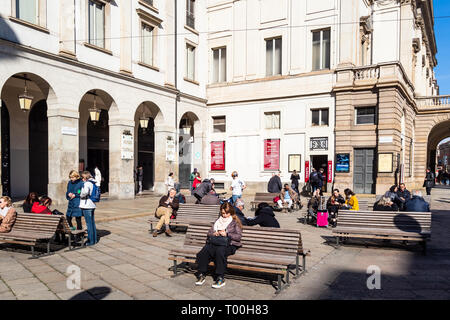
128 263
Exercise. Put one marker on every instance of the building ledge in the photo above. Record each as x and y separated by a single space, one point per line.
86 44
29 24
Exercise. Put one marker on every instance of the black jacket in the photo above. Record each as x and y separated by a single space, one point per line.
417 204
429 180
294 179
378 207
203 188
404 194
241 216
274 185
265 218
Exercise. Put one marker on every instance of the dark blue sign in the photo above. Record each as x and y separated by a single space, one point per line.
343 162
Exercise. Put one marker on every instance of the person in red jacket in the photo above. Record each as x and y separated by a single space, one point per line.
42 206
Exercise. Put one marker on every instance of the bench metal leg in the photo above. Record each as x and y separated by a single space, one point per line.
304 264
279 285
175 269
297 271
424 251
337 241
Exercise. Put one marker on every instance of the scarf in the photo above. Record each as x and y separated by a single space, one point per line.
222 223
4 211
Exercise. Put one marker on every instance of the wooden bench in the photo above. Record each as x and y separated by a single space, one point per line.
392 225
190 213
263 197
72 233
31 229
266 250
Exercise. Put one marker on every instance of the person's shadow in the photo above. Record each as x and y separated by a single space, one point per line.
95 293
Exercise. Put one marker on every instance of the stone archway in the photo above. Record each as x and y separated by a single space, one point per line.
145 142
189 127
27 149
430 129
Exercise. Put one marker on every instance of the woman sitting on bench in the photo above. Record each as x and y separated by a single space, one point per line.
7 214
224 238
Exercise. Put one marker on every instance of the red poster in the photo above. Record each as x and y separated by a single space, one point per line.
272 154
306 171
330 171
218 156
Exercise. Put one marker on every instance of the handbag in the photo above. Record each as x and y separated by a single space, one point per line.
57 212
218 240
276 199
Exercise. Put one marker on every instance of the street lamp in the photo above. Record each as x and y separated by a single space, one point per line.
25 99
186 127
94 112
143 121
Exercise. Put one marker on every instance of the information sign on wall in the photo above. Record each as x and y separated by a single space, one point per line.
218 156
330 171
170 150
271 154
306 171
127 150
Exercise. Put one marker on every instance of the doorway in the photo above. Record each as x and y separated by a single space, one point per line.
364 171
146 150
5 148
321 161
98 148
38 148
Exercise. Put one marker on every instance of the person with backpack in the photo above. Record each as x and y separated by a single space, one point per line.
90 193
314 180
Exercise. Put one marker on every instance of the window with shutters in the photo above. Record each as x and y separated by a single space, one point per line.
273 56
219 65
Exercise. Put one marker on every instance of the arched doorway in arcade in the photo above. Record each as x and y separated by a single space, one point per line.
94 134
437 158
186 148
24 131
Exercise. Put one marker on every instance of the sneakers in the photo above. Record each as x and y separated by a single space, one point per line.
219 283
200 279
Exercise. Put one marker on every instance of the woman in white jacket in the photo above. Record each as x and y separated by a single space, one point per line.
88 207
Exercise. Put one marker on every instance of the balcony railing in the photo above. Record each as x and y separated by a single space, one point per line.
434 101
367 73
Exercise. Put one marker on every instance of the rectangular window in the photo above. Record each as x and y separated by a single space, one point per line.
147 44
219 124
220 65
28 10
190 62
321 49
273 56
96 24
319 117
365 115
272 120
190 17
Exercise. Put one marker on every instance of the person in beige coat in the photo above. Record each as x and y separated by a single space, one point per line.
287 197
7 214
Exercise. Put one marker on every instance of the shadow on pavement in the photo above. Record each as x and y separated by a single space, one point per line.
96 293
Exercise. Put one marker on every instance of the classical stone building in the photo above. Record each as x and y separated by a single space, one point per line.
255 86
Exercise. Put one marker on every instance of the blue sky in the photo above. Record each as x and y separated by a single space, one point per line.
442 28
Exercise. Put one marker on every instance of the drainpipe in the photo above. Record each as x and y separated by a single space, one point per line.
177 94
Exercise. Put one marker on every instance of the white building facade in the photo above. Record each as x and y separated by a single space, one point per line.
224 85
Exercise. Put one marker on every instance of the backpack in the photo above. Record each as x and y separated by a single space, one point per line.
95 194
314 177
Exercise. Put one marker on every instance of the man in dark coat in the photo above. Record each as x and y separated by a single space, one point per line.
203 189
404 195
275 185
314 180
264 216
429 181
417 204
238 207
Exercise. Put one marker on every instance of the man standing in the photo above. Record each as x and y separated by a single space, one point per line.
274 185
429 181
98 177
314 180
140 177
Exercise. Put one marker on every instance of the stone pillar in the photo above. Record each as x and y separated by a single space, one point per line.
121 171
163 167
62 151
125 40
66 29
348 33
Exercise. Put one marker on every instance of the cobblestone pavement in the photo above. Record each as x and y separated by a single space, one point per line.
128 263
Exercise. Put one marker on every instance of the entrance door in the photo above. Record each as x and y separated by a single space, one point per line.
321 161
146 160
38 148
363 171
6 182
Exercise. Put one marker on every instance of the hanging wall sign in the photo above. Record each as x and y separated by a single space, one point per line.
170 150
343 162
271 154
127 150
330 171
306 171
218 156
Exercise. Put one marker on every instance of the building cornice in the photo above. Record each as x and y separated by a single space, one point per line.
83 65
